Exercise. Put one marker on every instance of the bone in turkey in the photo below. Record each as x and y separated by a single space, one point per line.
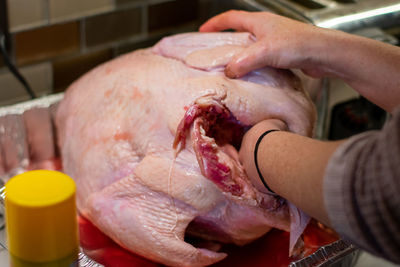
151 140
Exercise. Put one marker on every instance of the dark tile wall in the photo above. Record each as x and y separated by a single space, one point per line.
68 69
124 2
128 47
113 26
3 24
171 14
47 42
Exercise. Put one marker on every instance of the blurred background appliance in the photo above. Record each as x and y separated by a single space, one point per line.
342 112
346 15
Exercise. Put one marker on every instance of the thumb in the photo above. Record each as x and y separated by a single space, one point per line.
252 58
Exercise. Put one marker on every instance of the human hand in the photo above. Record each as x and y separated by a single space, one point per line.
246 153
281 42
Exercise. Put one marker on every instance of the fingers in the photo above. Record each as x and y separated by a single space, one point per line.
254 57
277 42
251 58
234 19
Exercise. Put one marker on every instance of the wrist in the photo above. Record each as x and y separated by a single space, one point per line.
320 52
265 187
246 153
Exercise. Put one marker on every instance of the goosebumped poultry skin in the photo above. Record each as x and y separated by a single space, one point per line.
151 139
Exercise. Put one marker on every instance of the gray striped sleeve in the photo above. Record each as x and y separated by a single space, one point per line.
362 190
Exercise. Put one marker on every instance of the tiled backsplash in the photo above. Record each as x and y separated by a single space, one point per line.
179 11
39 76
68 69
60 10
53 42
111 27
47 42
25 14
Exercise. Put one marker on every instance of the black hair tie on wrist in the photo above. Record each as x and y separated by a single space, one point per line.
255 158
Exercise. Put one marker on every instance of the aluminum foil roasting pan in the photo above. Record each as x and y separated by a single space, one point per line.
27 137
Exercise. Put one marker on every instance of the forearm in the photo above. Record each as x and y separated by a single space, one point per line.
293 166
368 66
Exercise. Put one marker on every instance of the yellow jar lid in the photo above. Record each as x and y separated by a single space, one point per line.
41 218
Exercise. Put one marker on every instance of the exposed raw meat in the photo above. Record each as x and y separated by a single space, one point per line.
118 126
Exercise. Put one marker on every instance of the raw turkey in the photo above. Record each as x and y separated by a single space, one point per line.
151 139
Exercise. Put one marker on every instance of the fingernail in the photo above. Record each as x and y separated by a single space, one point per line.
229 73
